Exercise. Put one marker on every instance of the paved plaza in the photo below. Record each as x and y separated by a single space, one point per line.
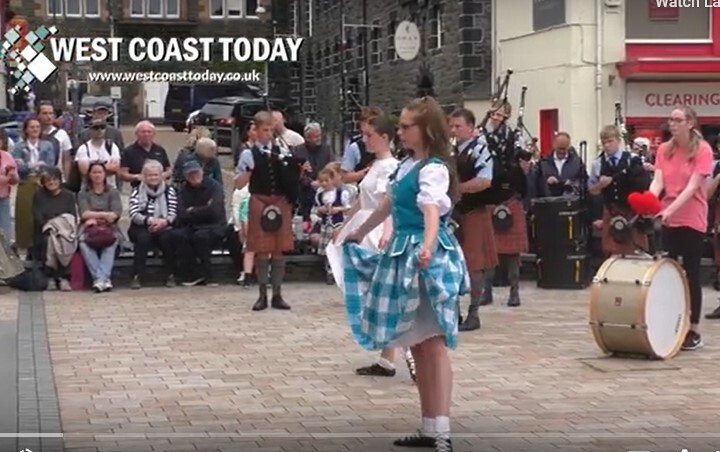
195 370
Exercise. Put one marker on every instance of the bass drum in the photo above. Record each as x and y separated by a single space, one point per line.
640 306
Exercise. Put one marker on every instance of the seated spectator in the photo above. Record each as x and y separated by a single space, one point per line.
100 208
205 154
55 219
201 224
32 155
193 136
98 149
332 200
152 210
241 210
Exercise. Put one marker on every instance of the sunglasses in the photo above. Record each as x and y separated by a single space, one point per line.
98 127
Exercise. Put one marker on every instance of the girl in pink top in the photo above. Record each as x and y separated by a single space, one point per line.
682 168
8 178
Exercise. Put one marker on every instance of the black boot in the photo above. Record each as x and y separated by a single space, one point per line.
513 269
472 321
262 276
262 301
277 273
514 299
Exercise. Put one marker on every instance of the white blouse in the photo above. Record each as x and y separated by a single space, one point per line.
434 180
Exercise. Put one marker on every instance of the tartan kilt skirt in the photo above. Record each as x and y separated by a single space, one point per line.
515 239
610 246
477 240
326 233
260 241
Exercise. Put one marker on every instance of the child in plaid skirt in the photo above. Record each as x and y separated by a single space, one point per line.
332 200
406 295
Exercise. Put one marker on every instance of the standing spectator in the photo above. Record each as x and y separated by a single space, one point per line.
32 155
100 113
248 141
8 178
152 210
100 209
134 156
201 224
99 149
290 137
193 136
205 153
50 203
318 155
58 138
356 159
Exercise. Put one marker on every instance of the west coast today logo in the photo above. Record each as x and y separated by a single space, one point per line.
32 65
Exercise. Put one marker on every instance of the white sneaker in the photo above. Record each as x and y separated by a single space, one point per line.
107 286
64 285
98 286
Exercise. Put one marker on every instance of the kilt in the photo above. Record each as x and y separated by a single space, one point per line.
391 301
326 231
610 246
260 241
515 239
477 239
24 223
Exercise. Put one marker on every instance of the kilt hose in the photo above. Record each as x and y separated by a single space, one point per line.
477 240
263 242
24 221
610 246
514 240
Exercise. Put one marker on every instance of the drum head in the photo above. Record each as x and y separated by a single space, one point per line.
667 309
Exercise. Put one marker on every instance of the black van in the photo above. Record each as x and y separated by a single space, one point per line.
227 114
183 99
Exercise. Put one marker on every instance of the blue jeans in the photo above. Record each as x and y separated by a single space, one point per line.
6 220
100 263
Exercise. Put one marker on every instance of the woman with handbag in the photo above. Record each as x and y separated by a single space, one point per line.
100 208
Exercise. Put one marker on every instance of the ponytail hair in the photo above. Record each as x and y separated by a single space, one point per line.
695 135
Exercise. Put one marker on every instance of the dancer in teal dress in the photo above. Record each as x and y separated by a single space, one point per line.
407 294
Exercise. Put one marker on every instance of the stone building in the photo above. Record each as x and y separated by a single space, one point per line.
145 18
454 58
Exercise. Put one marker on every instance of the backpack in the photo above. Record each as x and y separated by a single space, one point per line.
74 179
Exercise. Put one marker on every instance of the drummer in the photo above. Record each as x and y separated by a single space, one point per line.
562 172
615 174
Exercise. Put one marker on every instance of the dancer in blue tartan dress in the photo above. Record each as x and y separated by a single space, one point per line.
407 294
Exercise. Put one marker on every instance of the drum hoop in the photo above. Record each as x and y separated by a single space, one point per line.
649 274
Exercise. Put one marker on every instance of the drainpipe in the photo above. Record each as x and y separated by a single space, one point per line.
599 37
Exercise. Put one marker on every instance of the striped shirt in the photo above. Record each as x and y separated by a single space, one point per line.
140 213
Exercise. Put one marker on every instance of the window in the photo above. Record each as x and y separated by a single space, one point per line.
232 9
392 27
73 8
646 21
155 8
375 46
436 34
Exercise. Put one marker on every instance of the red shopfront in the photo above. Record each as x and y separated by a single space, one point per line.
672 58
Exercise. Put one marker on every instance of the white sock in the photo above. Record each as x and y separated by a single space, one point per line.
386 364
442 424
428 425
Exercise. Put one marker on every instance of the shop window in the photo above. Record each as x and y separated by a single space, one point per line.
646 21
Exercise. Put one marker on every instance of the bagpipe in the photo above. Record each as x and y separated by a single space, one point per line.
622 127
645 207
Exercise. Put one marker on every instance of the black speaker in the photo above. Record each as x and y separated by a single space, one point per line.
564 272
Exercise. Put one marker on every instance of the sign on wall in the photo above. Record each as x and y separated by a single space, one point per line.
657 99
407 41
548 13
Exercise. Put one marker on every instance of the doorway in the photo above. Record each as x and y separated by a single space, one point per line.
154 94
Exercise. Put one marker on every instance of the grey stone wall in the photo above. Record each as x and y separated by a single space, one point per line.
460 65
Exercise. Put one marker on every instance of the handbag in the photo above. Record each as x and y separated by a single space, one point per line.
100 236
271 219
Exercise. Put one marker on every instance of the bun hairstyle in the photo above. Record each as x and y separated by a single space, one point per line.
432 123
